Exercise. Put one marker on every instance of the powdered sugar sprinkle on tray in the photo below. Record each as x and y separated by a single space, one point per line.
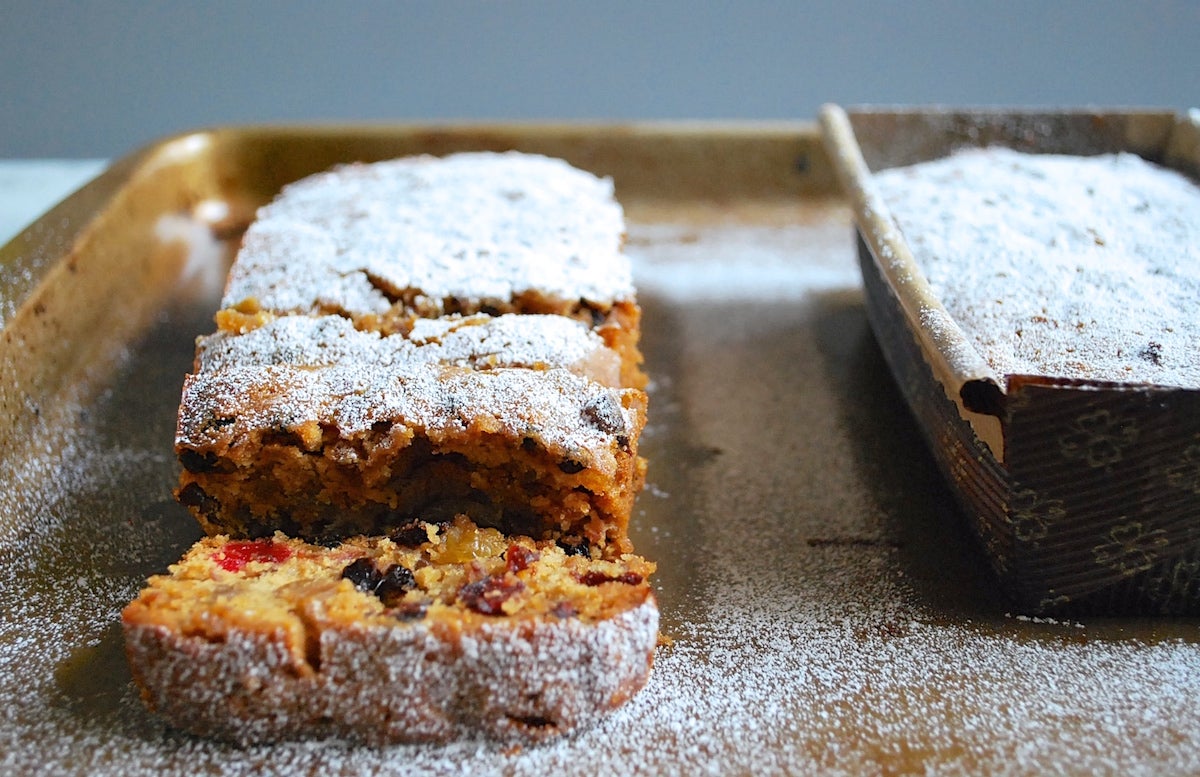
825 620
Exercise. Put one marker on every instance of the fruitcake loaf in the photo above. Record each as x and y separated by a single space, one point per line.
388 243
436 632
413 441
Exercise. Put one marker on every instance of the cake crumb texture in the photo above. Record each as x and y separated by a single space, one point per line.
439 632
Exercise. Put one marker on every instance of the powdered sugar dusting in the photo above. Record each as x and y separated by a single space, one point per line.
566 672
476 342
1056 265
827 617
550 406
470 226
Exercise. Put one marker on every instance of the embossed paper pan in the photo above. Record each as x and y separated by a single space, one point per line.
1085 495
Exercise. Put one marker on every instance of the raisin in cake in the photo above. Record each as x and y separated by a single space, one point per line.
433 633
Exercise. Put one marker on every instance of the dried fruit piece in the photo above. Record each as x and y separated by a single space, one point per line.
196 462
362 573
236 555
389 585
604 413
487 596
464 543
411 534
396 580
193 495
576 548
599 578
570 466
519 557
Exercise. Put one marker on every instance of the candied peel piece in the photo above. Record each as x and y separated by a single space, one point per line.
463 541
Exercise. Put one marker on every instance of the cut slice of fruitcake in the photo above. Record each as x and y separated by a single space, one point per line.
438 631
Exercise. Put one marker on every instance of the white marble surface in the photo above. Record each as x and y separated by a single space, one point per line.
29 187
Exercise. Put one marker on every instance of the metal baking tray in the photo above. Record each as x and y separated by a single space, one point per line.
824 610
1114 534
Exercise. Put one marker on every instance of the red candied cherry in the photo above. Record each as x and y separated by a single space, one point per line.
238 554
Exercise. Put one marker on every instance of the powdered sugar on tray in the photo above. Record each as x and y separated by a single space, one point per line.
825 615
1077 267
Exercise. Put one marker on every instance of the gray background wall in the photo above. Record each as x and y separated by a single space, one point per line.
88 79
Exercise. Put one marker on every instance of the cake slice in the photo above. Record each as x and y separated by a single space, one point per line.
437 632
309 426
353 448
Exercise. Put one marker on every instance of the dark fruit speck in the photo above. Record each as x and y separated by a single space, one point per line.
487 596
362 573
581 548
519 557
196 462
604 413
410 535
396 581
599 578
